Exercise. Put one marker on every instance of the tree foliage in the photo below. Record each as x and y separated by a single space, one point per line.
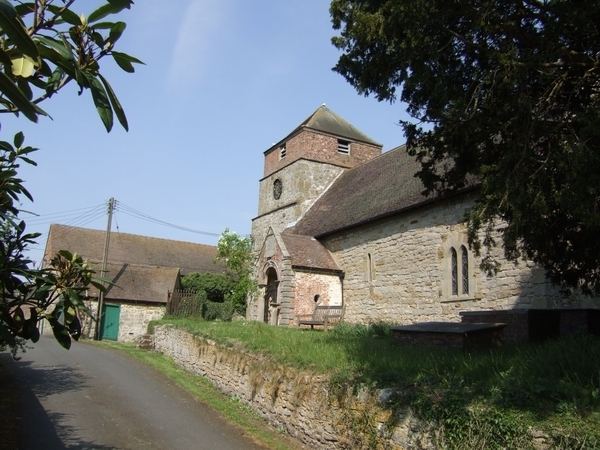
235 251
44 46
509 92
215 286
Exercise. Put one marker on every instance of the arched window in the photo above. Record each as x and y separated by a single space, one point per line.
465 269
458 276
454 270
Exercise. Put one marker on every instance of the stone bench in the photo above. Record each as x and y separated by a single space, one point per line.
450 334
323 315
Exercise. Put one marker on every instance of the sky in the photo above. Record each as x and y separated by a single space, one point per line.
223 80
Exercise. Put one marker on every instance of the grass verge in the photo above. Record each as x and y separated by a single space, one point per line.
230 408
479 400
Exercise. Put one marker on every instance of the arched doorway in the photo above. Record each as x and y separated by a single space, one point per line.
271 305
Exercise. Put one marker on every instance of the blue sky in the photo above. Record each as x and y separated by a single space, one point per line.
223 80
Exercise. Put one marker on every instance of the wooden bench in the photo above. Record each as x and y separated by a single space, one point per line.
323 315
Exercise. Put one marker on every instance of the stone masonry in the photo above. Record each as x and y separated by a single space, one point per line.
299 402
302 183
410 270
134 319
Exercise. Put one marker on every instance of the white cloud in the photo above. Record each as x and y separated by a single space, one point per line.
197 39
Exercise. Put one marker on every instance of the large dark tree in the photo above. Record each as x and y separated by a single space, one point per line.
510 92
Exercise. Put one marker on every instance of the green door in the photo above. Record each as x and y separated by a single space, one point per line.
110 322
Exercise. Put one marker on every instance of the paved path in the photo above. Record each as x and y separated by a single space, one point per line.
94 398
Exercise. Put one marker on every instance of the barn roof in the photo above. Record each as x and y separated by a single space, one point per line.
132 249
138 283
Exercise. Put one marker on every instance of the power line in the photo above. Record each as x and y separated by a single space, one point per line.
126 209
84 218
62 215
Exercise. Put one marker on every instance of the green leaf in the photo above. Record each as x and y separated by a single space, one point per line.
121 3
25 87
29 161
75 328
67 65
19 139
25 8
112 7
114 101
102 102
13 27
59 46
116 31
103 25
61 334
67 15
125 61
18 98
65 254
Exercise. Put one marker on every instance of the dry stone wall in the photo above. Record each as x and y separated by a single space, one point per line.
297 401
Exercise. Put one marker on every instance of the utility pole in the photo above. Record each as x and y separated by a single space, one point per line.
111 206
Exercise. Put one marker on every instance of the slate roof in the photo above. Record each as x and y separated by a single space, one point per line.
138 283
382 186
133 249
326 121
307 252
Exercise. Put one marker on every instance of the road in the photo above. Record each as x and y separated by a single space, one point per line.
96 398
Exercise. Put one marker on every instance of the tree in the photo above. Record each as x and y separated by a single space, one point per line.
506 92
236 252
215 287
44 46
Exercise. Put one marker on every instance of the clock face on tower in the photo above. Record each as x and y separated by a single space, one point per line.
277 189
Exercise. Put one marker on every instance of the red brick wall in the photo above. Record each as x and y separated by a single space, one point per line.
327 287
319 147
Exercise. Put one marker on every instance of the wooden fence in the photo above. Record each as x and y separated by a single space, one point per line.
184 303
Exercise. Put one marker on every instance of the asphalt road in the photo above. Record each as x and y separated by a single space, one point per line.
94 398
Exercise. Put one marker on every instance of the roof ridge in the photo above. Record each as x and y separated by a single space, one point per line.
130 234
351 132
145 266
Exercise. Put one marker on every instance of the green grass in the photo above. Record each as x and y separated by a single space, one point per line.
203 390
481 400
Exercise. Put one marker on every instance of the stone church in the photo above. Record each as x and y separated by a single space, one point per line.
341 223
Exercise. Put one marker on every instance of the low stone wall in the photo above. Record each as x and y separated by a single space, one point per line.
298 401
134 319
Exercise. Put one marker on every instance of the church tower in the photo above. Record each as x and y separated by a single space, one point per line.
301 166
298 170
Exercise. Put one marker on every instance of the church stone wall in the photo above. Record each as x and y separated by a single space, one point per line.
272 256
318 146
405 278
303 182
